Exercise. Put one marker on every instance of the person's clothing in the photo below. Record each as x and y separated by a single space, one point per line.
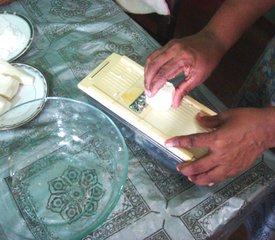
145 6
257 91
260 84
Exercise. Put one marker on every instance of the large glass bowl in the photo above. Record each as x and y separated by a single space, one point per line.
62 173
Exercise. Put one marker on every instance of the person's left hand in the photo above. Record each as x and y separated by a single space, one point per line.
238 136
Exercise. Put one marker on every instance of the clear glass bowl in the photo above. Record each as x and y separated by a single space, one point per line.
62 173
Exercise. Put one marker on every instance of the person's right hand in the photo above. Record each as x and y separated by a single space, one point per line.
235 139
196 56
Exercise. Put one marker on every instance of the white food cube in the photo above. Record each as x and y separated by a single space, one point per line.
8 86
20 75
163 99
4 105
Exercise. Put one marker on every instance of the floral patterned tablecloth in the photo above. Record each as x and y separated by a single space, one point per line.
70 39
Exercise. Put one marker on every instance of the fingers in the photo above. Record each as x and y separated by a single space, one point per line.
154 61
208 170
152 66
153 56
197 167
184 87
160 73
209 178
163 65
204 172
165 73
192 140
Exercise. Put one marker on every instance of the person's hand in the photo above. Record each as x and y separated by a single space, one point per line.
196 56
3 2
238 136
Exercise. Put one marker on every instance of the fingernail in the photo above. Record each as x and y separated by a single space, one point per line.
202 114
148 93
189 179
211 184
169 144
178 168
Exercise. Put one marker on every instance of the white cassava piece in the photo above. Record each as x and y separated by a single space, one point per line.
4 105
8 86
163 99
9 70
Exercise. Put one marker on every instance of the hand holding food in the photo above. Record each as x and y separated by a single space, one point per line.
163 99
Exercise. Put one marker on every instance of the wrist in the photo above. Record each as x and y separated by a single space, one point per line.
218 46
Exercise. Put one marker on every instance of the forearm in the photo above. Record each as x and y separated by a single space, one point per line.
233 18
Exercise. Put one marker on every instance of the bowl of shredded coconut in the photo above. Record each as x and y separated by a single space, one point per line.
16 34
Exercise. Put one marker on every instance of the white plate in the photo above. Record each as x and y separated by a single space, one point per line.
16 35
39 90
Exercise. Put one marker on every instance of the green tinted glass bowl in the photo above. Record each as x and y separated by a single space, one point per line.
62 173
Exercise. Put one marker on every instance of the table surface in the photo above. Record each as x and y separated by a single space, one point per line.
73 37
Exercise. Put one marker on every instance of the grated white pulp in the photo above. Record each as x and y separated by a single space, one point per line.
11 39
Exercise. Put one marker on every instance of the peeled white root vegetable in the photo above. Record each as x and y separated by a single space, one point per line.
8 86
10 79
163 99
4 105
9 70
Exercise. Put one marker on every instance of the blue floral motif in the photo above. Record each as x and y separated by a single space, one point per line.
75 194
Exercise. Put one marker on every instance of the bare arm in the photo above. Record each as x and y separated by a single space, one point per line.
234 17
198 55
238 136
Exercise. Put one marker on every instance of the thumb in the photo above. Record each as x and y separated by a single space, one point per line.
207 121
